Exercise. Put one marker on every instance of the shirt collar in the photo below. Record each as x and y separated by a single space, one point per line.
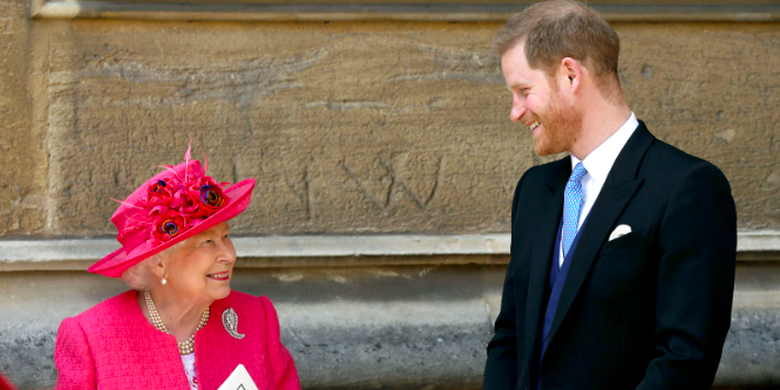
599 162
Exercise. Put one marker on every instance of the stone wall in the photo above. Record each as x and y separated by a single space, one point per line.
348 127
23 188
352 129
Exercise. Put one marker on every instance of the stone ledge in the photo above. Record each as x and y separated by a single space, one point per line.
301 251
74 254
758 241
368 11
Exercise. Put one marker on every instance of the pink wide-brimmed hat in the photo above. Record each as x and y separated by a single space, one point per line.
172 206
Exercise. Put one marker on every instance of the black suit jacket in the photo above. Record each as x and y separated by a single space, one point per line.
649 310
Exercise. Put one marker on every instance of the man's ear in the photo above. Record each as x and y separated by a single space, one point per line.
572 72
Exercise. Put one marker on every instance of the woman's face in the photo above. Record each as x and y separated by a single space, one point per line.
200 270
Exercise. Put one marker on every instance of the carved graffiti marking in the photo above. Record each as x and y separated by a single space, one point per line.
397 177
305 191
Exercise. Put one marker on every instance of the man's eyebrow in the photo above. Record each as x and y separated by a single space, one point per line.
519 84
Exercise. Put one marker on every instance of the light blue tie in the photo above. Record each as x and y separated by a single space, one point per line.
572 202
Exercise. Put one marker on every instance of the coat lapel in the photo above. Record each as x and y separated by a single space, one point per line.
549 209
620 186
217 353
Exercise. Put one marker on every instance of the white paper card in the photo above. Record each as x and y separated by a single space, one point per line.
239 380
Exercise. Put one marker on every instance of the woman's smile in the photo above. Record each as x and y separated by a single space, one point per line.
220 276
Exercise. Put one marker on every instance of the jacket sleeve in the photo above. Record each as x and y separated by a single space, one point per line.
73 358
501 366
284 372
5 383
697 252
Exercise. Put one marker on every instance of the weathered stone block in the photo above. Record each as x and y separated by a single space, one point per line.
23 162
373 127
348 128
713 90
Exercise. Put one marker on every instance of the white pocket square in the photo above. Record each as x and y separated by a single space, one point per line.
620 231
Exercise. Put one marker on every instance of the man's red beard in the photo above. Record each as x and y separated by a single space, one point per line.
561 126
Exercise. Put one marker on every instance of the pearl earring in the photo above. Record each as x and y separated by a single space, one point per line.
164 281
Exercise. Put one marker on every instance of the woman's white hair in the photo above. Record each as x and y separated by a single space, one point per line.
140 276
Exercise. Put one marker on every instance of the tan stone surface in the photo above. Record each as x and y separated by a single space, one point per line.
714 90
370 128
348 127
22 161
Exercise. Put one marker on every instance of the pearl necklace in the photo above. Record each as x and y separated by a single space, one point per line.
185 347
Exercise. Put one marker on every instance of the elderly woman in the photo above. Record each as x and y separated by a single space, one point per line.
180 327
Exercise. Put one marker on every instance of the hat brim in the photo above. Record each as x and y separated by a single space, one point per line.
116 263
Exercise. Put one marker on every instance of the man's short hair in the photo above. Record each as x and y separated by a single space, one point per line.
554 30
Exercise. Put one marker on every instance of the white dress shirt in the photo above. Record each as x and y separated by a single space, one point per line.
598 164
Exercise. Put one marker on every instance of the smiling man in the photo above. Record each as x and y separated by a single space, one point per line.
623 253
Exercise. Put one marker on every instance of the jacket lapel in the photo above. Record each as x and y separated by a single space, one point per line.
217 353
620 186
549 209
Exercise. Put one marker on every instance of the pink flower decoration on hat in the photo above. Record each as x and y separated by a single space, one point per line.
207 196
168 226
161 192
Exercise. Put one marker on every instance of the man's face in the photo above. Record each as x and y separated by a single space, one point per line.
537 102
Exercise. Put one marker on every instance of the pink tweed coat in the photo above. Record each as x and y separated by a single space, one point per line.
113 346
